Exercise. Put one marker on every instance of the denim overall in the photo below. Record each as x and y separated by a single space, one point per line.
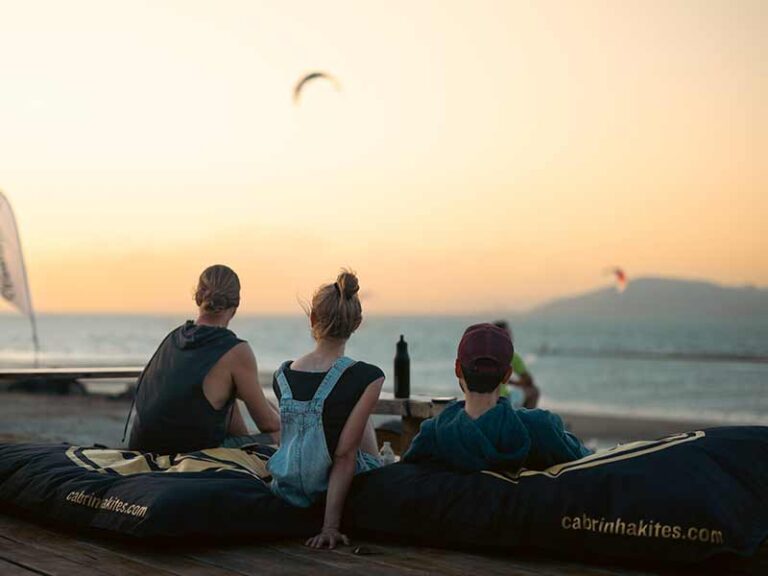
301 466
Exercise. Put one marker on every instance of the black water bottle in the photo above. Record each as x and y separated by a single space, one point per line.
402 370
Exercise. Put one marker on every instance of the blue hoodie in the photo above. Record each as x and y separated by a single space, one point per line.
503 438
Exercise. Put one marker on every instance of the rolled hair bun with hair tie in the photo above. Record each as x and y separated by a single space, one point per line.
216 302
336 312
218 289
347 284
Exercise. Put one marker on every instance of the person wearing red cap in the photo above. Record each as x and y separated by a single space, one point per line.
484 432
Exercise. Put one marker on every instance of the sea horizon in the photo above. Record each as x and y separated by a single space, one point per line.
676 368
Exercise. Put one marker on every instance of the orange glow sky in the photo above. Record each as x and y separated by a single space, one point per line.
481 155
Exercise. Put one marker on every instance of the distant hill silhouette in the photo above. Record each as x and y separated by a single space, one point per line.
663 297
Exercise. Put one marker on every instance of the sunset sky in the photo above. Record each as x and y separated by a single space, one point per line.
480 155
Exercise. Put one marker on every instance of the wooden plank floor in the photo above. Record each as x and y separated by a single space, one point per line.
27 549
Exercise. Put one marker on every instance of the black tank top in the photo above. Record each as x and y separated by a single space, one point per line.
172 412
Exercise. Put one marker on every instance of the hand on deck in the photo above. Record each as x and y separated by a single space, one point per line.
329 538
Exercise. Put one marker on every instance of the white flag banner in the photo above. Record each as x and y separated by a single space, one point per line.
13 276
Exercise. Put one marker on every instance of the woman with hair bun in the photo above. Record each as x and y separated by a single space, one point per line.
185 398
326 400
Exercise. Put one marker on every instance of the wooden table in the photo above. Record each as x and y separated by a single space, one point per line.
71 373
63 380
412 412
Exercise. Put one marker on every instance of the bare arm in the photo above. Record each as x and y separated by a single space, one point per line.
247 387
343 468
237 425
530 389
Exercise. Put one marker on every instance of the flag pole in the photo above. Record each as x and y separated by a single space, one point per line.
35 340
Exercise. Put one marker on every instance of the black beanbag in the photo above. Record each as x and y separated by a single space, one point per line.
219 492
682 498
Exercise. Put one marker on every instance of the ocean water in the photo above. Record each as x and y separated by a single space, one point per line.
681 369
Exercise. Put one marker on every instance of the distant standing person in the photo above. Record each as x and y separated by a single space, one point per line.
185 397
326 400
522 388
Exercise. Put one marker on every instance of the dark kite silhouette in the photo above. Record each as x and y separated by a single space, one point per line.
309 78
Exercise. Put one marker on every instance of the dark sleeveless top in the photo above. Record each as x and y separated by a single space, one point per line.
172 412
340 403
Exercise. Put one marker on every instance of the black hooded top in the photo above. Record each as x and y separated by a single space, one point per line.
172 412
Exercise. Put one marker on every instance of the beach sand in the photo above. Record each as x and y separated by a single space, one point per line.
82 420
92 419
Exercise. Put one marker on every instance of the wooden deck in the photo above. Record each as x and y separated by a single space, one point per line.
27 549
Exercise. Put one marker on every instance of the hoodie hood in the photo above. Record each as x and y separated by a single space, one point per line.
501 439
191 335
496 440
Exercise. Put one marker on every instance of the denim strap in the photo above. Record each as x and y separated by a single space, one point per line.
332 377
282 382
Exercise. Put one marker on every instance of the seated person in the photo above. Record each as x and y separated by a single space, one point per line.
521 390
185 397
484 432
326 400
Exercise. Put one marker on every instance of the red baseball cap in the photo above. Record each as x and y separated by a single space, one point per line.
488 343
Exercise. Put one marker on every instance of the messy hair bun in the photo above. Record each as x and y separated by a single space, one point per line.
336 311
218 289
348 284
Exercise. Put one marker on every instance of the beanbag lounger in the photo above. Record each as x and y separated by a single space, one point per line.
682 498
217 492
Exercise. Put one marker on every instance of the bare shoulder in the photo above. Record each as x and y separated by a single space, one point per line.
373 390
377 384
241 355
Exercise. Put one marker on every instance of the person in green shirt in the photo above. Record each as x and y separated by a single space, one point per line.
520 389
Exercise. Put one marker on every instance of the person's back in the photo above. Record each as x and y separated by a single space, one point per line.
326 400
484 432
172 412
185 397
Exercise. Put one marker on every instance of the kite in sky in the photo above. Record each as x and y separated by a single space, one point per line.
620 276
311 77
